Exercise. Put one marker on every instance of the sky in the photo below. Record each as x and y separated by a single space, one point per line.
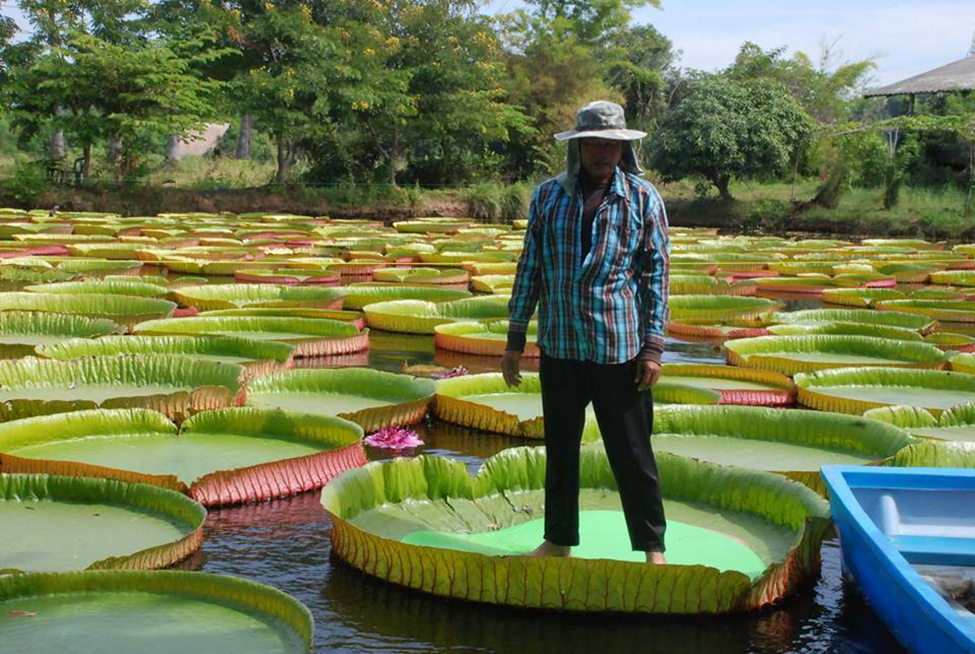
905 38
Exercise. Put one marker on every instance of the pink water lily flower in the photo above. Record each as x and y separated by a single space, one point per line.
394 438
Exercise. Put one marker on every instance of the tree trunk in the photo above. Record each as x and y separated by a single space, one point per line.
244 137
393 156
722 182
284 160
86 162
114 148
57 148
172 148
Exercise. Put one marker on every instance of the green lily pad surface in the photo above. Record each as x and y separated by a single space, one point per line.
161 612
756 454
54 524
603 535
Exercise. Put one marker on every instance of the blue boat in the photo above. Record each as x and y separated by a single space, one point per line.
908 537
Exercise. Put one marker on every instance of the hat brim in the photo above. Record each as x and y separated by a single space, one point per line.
610 134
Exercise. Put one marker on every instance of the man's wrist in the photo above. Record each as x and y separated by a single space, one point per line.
652 350
516 341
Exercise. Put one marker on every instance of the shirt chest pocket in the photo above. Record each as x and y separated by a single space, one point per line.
619 233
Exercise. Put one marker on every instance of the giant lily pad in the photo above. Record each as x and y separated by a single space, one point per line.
486 402
860 297
849 328
855 390
309 336
55 524
964 363
735 385
719 308
258 358
957 424
484 339
175 385
896 319
421 275
235 296
792 354
359 295
737 539
114 287
123 309
219 457
21 332
944 310
370 398
419 317
162 611
794 443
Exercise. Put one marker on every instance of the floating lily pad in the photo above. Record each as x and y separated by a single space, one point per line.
710 309
125 310
309 336
486 402
161 611
257 357
963 363
219 457
175 385
845 328
896 319
380 512
794 443
419 317
860 297
56 524
481 338
944 310
113 287
235 296
855 390
793 354
359 295
21 332
370 398
735 385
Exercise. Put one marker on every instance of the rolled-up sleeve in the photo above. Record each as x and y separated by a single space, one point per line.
524 292
655 279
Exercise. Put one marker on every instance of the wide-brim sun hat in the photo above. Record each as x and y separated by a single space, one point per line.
601 120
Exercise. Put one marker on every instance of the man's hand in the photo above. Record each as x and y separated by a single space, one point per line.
647 373
511 367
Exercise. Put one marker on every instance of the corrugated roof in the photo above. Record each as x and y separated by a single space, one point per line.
956 76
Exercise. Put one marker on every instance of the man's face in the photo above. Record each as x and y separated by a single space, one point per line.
599 157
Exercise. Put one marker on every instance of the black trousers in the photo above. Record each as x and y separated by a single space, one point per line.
625 417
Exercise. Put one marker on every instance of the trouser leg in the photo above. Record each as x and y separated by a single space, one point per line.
625 417
564 402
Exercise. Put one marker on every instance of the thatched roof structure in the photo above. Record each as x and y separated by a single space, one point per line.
956 76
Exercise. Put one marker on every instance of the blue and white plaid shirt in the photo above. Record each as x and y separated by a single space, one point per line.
608 305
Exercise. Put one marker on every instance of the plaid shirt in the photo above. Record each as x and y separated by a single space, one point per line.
608 305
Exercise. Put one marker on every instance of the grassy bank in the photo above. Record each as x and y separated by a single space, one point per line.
213 185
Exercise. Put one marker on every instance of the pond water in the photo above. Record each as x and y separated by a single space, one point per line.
287 544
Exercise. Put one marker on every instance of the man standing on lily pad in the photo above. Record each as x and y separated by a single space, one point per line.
595 262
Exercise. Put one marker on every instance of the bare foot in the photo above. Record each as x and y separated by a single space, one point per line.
551 549
656 558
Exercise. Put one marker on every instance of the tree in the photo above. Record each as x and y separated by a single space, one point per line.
825 91
725 129
640 60
103 89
